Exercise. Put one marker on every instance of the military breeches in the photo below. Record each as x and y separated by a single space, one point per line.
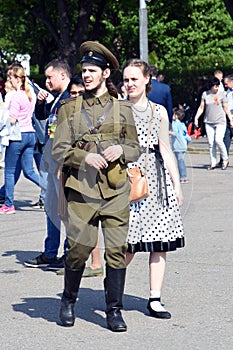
84 215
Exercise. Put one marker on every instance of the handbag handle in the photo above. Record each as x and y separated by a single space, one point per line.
148 137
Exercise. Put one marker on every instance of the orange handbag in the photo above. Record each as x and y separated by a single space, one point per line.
139 185
138 181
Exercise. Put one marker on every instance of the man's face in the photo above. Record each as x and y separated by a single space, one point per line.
228 83
94 77
54 79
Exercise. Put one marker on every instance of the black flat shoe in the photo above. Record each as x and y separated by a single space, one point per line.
157 314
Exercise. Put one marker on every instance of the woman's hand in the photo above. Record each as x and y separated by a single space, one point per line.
199 113
179 194
12 120
196 122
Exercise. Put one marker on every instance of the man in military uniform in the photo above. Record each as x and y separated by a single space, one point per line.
95 139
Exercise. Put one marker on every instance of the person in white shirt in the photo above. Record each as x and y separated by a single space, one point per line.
219 74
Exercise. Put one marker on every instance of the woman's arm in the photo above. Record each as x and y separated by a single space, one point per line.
14 108
199 113
168 155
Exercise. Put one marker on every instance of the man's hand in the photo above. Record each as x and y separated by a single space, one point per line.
42 95
112 153
96 161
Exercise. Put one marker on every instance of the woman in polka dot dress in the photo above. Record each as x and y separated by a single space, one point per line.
155 222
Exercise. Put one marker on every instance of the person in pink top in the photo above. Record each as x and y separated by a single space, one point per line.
20 148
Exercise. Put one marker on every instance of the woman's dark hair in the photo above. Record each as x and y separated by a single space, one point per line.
145 68
119 86
111 88
214 81
76 80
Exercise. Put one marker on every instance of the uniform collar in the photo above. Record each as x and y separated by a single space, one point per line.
92 99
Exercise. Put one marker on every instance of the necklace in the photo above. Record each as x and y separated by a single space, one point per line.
145 115
141 110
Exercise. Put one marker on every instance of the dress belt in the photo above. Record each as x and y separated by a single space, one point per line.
150 150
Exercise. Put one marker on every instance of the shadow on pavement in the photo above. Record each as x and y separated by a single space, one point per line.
21 255
90 307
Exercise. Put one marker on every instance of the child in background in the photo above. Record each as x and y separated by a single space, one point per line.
180 140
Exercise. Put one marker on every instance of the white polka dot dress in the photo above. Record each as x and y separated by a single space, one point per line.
155 222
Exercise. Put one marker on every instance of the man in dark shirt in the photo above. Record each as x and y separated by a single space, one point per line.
58 76
160 93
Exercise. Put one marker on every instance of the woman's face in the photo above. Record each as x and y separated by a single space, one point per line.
135 82
75 90
214 89
15 81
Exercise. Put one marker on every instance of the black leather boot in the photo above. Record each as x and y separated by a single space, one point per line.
72 282
114 288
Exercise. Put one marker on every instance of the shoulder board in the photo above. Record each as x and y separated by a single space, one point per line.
125 102
62 102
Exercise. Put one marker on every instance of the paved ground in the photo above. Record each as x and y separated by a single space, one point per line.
197 289
201 146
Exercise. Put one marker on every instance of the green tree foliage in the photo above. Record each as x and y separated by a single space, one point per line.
186 39
52 28
198 34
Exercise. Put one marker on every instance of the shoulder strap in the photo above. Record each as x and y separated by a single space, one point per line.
116 114
148 134
77 108
148 142
101 120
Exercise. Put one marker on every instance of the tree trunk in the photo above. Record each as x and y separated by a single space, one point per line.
229 6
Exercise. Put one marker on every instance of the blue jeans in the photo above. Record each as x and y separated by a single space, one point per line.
181 165
17 175
227 138
19 152
42 173
42 180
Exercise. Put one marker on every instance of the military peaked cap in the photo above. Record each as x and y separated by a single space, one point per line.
96 53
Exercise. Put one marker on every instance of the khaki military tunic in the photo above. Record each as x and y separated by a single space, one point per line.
72 126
